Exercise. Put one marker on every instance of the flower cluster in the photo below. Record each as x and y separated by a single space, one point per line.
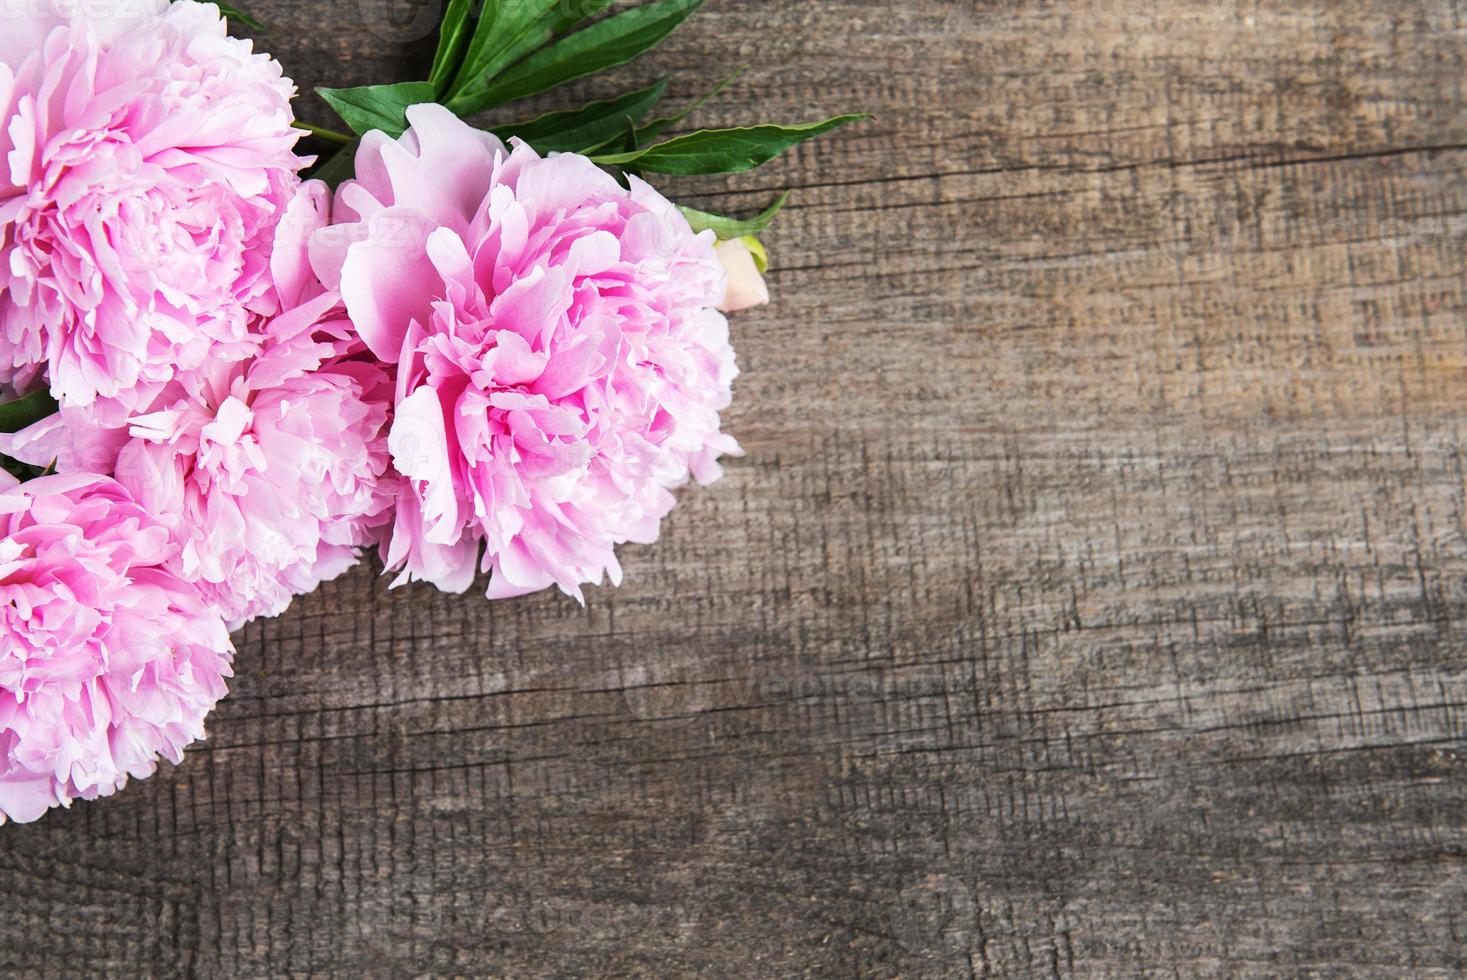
269 470
475 357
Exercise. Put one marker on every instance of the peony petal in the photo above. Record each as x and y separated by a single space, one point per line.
388 280
290 266
419 446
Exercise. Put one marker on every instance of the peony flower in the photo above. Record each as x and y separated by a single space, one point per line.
746 288
267 471
108 660
148 156
560 364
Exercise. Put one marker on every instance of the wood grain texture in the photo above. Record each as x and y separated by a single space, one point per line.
1090 601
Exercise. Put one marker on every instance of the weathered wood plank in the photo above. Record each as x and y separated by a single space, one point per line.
1089 602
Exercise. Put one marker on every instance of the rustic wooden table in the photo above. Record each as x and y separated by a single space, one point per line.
1090 601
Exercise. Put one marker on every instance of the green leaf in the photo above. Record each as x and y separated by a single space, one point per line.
502 25
377 106
569 13
726 227
21 412
645 134
239 16
514 29
722 151
453 35
506 31
341 166
592 125
606 43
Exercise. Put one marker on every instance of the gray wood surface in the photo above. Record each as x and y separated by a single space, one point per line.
1090 601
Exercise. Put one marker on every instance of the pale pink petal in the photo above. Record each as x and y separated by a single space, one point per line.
419 447
746 286
387 280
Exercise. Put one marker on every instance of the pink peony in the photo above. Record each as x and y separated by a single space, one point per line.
148 156
560 364
107 659
267 470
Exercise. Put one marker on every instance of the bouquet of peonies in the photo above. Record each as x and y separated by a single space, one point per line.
228 370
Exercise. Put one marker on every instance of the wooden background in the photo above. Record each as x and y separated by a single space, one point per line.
1090 602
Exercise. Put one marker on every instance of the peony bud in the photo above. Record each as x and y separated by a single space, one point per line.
746 286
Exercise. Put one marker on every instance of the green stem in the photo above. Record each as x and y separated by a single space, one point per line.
330 135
